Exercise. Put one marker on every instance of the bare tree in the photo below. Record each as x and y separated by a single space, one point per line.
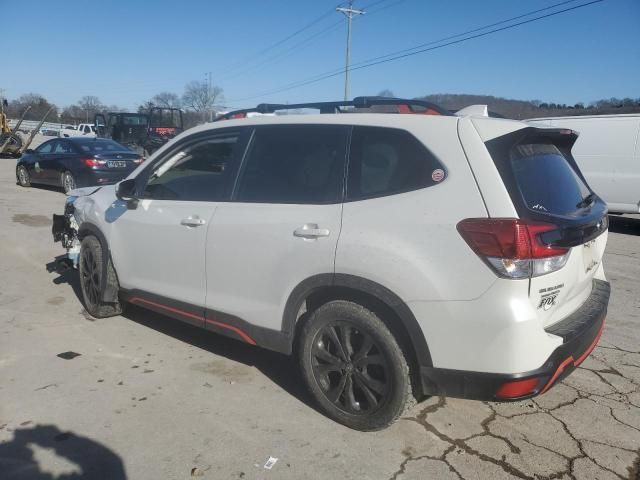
90 105
146 106
199 97
167 100
39 107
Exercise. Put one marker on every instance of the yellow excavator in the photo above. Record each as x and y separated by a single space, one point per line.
11 144
4 122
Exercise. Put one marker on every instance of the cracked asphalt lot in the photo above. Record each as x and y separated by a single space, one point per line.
151 398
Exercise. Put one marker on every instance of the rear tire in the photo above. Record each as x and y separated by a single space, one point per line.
23 177
68 181
353 366
90 266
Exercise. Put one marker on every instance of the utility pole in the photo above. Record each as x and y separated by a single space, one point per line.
349 13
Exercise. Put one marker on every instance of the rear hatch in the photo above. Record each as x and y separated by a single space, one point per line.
550 193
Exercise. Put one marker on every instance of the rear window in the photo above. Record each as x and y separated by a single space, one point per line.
546 180
101 146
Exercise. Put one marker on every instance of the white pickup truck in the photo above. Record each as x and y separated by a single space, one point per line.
84 129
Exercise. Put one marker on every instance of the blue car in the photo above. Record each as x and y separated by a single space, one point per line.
76 162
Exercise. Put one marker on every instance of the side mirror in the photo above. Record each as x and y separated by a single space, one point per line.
126 191
29 151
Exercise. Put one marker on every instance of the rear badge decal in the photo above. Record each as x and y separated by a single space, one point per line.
549 296
548 301
437 175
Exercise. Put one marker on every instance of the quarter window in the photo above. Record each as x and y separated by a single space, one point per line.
203 171
386 161
301 164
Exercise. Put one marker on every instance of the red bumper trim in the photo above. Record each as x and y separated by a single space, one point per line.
569 360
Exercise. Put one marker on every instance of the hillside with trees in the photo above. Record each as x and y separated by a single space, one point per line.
520 109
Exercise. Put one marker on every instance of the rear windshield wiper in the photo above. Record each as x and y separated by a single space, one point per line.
586 201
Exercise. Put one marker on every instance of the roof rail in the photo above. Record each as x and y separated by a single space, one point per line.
404 106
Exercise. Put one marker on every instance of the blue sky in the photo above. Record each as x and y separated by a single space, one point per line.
124 52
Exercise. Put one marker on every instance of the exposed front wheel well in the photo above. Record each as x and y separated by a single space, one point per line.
323 295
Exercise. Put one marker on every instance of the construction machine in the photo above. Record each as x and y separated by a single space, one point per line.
143 132
13 145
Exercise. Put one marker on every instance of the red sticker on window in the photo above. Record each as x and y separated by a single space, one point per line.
437 175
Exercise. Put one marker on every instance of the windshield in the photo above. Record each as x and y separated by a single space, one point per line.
132 120
165 118
547 182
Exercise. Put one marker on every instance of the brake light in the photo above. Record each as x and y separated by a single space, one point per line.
513 247
93 162
138 161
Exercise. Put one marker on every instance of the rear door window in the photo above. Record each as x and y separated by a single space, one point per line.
546 180
387 161
62 147
301 164
46 148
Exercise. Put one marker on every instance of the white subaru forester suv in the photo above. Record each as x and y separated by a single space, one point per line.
396 255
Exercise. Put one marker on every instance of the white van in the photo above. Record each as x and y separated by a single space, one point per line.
608 154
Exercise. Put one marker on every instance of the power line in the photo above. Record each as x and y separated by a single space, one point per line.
399 54
363 62
284 40
296 48
533 12
303 44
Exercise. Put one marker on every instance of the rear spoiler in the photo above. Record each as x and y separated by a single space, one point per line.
474 111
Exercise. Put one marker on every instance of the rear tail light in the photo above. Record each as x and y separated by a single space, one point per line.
93 162
512 247
138 161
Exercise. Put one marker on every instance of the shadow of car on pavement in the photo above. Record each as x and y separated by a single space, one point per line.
90 458
279 368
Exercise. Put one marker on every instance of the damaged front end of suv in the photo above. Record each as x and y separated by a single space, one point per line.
65 228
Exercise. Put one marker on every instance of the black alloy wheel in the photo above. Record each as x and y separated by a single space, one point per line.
350 368
91 265
353 366
90 278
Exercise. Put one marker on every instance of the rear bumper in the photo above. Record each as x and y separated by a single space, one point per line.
580 333
91 177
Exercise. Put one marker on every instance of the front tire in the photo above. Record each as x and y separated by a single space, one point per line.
23 177
91 283
353 366
68 181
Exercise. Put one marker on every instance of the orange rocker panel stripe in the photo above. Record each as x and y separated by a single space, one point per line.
242 334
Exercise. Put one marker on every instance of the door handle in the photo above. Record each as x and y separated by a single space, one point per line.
311 231
194 221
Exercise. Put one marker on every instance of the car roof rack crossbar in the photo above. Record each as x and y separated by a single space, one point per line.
404 106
